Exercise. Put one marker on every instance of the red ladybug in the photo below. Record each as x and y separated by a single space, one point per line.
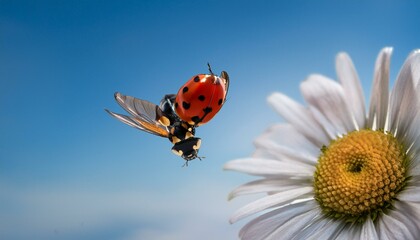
177 116
198 100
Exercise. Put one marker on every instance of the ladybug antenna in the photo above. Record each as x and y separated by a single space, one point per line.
208 64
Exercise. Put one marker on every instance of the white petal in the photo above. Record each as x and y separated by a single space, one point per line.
293 227
411 211
378 110
350 231
404 99
413 130
317 225
265 224
414 166
267 185
326 125
413 134
330 231
276 152
391 228
410 194
327 96
352 88
270 201
288 142
283 154
368 231
415 68
384 233
299 117
286 135
267 167
408 216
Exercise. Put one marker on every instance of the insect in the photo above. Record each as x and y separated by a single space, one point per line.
165 121
199 99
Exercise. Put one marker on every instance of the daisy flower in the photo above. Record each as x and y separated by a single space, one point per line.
335 169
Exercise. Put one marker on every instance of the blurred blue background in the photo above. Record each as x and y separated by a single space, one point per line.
70 171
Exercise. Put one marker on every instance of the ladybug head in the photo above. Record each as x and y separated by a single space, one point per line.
187 148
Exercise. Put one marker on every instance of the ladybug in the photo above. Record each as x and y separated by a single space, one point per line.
178 115
199 99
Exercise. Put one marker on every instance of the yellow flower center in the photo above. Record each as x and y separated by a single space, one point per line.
359 175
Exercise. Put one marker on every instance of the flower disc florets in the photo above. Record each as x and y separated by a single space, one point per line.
359 175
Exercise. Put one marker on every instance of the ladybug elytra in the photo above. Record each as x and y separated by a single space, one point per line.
198 100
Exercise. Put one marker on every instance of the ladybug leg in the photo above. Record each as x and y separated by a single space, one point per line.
185 164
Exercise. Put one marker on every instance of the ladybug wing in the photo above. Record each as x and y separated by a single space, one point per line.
141 109
225 76
145 115
141 125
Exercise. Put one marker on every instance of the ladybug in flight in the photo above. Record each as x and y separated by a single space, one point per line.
177 116
201 97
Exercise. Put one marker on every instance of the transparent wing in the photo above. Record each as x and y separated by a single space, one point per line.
152 128
141 109
145 115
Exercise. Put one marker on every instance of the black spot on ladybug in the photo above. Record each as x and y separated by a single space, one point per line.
176 105
207 110
196 119
201 98
220 102
185 89
186 105
196 79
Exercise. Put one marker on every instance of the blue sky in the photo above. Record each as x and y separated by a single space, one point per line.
70 171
